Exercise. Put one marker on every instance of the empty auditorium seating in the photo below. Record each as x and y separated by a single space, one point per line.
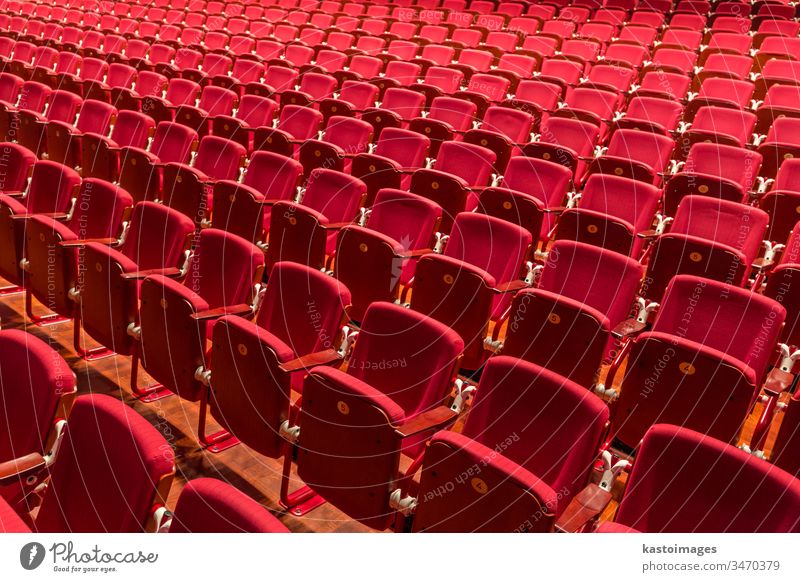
646 506
521 485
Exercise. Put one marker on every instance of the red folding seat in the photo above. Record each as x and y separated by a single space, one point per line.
244 75
19 163
21 59
780 101
179 92
626 55
361 67
50 260
398 107
459 170
641 155
536 97
661 497
219 280
313 88
772 27
784 450
33 97
780 144
567 323
712 169
559 29
353 97
776 48
374 260
329 61
713 238
467 286
213 506
244 208
212 65
724 65
439 81
601 32
65 141
213 101
540 47
398 74
652 114
339 465
92 72
252 113
736 23
515 68
664 85
782 201
298 55
502 130
673 60
184 186
569 142
66 64
276 80
295 125
613 210
610 78
638 34
727 43
690 20
305 232
396 155
447 119
35 416
342 139
10 88
485 89
77 499
563 73
777 72
681 38
590 105
100 153
715 360
107 295
62 106
581 51
140 169
240 44
719 92
518 487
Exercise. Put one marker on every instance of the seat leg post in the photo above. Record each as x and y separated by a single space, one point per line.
218 441
84 354
41 321
302 500
148 393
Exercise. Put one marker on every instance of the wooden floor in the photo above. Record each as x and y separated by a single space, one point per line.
176 419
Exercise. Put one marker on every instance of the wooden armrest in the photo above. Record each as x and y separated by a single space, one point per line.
778 381
18 469
415 253
322 358
556 210
336 225
762 264
168 272
649 234
429 420
628 328
511 286
54 215
584 507
14 193
216 313
86 241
